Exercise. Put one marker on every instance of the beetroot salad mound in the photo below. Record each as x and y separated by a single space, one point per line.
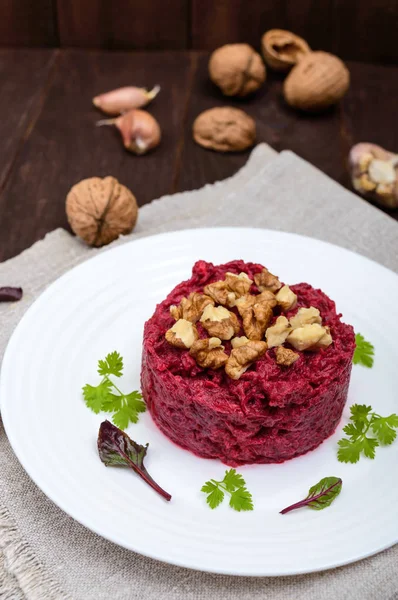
272 412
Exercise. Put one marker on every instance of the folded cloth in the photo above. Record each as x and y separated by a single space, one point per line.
46 555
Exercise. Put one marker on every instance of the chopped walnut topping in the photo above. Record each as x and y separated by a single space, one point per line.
310 337
237 342
245 302
220 322
276 334
241 358
256 320
305 316
285 357
268 297
286 298
238 284
267 281
209 353
191 308
183 334
220 292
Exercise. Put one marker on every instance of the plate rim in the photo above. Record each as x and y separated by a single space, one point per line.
43 487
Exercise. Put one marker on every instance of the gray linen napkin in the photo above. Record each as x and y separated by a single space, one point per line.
44 554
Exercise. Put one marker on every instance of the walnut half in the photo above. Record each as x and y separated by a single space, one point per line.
285 357
239 284
220 293
191 308
276 334
220 322
242 357
310 337
256 320
182 335
209 353
267 281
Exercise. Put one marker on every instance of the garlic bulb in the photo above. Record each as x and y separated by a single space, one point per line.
374 173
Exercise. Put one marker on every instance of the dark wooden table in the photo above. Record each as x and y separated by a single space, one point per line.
49 141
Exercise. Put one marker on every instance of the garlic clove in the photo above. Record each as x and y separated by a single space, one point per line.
139 130
374 173
381 171
124 99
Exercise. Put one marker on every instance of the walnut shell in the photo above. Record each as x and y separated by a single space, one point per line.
99 210
237 69
225 129
283 49
319 80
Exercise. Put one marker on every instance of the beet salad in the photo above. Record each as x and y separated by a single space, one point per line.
238 366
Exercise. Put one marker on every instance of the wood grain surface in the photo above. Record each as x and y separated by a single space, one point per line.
363 30
28 23
135 24
50 142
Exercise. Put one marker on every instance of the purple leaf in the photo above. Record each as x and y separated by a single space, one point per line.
10 294
320 495
115 448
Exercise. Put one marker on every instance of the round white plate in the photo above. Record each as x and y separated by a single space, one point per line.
101 306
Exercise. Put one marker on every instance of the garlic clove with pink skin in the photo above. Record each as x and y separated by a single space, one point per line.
124 99
374 173
139 130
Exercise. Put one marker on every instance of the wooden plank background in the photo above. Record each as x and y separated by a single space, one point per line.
362 30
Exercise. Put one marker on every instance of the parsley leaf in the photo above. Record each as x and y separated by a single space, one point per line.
125 407
363 422
364 352
234 484
214 495
320 495
112 365
95 397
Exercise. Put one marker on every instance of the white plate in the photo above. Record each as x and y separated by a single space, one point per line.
101 306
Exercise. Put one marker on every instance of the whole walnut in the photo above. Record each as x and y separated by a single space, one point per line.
225 129
237 69
99 210
319 80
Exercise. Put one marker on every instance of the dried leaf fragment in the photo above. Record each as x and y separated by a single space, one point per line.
242 357
209 353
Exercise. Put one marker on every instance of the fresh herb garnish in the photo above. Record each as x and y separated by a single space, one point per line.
320 495
363 422
125 407
115 448
10 294
234 484
364 352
